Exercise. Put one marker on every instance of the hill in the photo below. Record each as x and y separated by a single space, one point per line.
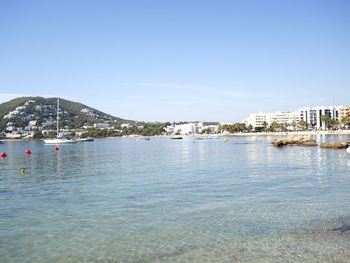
38 113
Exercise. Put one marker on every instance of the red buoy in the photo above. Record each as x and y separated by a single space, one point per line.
3 155
28 152
56 148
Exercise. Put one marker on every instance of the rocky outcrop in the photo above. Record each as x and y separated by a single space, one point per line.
335 145
311 143
302 141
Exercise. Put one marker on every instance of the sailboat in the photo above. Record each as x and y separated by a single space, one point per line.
58 140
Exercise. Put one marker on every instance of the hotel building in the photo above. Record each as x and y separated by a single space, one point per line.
343 112
311 115
258 119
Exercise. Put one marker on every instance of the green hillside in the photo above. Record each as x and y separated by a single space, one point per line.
44 111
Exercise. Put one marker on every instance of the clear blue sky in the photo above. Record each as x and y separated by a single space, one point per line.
178 60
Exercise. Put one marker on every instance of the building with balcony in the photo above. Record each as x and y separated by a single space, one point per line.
343 112
312 115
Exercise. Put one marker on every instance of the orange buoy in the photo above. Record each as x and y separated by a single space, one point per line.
3 155
56 148
28 152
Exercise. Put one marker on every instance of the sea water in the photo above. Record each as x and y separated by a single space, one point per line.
126 200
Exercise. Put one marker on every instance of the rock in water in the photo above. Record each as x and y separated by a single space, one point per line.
303 141
335 145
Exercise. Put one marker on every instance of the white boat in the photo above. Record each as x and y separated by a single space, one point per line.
348 150
58 140
85 140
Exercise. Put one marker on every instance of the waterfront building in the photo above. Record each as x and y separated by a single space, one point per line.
187 128
312 115
262 119
193 128
343 112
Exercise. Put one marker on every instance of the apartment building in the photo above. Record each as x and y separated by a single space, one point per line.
258 119
343 112
311 115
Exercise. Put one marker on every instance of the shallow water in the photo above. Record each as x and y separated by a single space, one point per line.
123 200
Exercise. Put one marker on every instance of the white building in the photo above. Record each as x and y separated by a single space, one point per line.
212 128
20 108
313 115
343 112
47 123
32 123
28 102
259 119
38 107
87 111
101 125
187 128
192 128
126 125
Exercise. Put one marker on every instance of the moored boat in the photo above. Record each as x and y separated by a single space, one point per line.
58 140
85 140
144 138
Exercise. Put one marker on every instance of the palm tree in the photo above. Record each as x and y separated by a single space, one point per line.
303 125
250 127
326 120
274 126
346 120
264 124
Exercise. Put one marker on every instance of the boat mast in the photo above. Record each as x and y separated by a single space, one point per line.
58 106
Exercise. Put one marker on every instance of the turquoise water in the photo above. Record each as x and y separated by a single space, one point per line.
123 200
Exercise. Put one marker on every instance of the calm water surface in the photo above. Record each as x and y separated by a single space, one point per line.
123 200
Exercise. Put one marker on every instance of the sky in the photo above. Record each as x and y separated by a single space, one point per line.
178 60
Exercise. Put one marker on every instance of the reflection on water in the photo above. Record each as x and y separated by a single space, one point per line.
123 200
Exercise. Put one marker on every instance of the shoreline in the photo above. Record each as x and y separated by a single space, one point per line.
292 133
238 134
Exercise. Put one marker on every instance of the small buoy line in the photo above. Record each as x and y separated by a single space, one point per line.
28 152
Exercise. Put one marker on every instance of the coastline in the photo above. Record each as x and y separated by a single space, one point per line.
291 133
238 134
